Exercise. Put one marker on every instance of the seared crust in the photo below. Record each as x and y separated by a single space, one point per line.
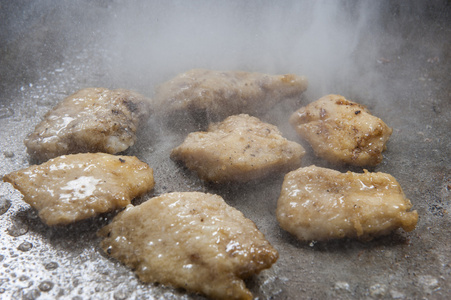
190 240
240 149
320 204
90 120
342 131
79 186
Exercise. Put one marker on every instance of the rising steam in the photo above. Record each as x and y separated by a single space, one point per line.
152 42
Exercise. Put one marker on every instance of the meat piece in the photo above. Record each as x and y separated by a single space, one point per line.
219 94
321 204
241 148
342 131
79 186
190 240
91 120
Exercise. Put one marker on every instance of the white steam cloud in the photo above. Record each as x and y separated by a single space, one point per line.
153 41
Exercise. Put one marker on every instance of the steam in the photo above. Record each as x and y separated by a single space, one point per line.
152 42
336 44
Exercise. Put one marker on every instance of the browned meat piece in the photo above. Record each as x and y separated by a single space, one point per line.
221 94
91 120
342 131
321 204
241 148
79 186
190 240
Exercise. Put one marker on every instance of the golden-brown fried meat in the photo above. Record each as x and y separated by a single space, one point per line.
79 186
190 240
342 131
321 204
90 120
239 149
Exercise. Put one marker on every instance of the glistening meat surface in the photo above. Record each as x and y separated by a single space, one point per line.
90 120
239 149
190 240
75 187
342 131
321 204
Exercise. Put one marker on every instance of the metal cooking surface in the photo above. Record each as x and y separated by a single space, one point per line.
395 60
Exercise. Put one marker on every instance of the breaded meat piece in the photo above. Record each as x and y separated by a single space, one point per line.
190 240
218 94
79 186
342 131
321 204
240 149
90 120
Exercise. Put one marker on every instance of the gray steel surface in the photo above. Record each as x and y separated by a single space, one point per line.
392 56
